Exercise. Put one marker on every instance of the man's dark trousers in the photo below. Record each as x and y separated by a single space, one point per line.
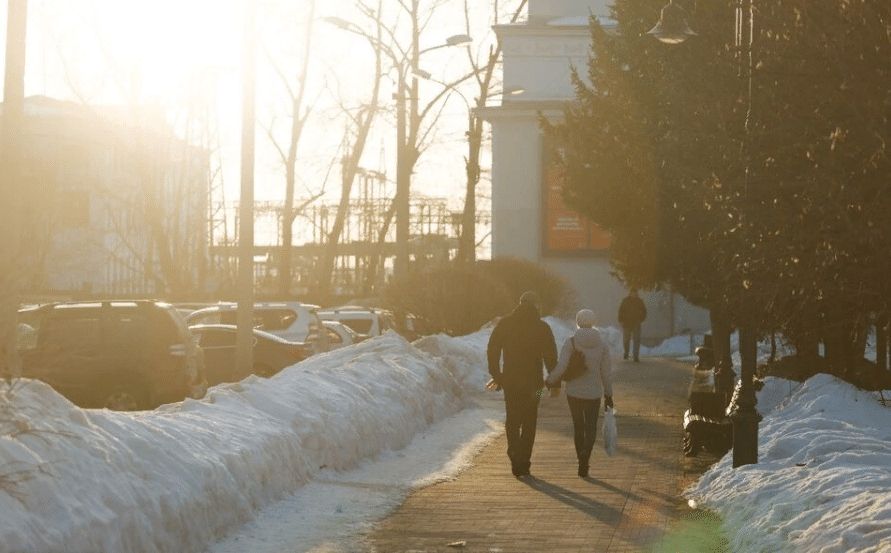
521 418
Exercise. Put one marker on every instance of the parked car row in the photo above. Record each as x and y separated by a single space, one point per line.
374 321
340 335
271 353
138 354
124 355
293 321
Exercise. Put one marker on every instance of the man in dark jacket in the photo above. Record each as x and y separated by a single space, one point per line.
526 342
632 312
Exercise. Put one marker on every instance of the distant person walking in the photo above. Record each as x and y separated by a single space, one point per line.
632 312
526 342
584 392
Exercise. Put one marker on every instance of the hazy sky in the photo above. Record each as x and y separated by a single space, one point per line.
112 51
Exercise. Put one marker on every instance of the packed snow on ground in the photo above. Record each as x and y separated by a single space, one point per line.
308 459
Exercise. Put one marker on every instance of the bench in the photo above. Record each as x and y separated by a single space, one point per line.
706 423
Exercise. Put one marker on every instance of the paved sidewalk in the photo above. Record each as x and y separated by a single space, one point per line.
630 503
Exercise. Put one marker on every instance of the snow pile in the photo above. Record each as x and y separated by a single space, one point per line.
175 478
341 437
822 481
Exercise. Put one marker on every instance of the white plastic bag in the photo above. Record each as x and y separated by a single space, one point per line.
609 431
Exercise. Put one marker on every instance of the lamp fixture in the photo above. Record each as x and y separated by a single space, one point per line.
456 40
672 27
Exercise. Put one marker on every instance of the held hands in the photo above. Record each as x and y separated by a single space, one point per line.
608 402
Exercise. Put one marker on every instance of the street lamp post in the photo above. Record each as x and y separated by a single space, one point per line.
672 28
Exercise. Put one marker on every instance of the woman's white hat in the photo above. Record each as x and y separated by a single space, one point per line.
585 317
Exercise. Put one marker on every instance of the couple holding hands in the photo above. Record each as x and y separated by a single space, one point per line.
526 342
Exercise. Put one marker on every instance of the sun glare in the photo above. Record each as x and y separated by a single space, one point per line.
166 41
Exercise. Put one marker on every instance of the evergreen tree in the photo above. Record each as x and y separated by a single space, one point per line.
765 198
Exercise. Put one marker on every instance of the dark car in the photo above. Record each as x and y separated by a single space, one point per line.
271 353
125 355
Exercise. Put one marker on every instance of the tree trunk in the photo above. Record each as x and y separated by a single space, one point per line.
285 261
882 341
724 375
467 243
371 277
721 332
859 338
326 265
807 347
835 349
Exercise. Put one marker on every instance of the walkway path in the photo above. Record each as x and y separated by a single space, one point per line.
630 503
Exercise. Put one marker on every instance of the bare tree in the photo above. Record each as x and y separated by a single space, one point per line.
300 112
416 120
483 73
359 128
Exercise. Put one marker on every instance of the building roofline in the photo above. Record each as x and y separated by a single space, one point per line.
552 26
523 109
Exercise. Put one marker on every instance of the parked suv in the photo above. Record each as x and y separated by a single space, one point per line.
293 321
364 320
125 355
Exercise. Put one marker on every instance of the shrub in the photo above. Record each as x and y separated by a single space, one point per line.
460 300
457 301
519 275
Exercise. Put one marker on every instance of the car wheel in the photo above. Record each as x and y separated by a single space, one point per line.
264 370
124 397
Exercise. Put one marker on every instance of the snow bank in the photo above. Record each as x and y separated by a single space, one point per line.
175 478
822 480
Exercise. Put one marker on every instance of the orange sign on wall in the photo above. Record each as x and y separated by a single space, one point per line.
566 232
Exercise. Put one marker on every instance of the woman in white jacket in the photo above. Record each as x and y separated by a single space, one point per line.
585 392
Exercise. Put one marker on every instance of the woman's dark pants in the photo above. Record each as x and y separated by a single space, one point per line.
584 423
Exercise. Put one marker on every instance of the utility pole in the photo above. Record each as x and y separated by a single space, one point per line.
10 185
244 336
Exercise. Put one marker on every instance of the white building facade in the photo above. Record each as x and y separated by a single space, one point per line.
115 203
529 219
